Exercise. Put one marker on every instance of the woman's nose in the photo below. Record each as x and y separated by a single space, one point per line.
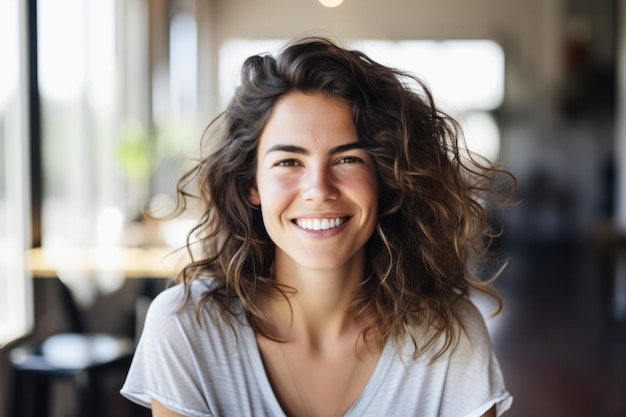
318 184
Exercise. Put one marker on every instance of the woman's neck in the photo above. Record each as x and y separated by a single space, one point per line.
321 309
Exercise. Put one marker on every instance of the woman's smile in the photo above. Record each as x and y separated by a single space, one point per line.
320 223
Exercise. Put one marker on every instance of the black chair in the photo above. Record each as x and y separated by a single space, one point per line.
78 356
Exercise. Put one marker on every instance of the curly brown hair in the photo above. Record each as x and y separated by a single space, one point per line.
434 221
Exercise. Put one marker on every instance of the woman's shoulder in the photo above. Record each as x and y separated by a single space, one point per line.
470 317
194 291
473 335
468 314
182 301
465 332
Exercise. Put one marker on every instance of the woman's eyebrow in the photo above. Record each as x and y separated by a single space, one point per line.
345 147
288 148
303 151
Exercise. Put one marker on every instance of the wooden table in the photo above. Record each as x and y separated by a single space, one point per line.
155 262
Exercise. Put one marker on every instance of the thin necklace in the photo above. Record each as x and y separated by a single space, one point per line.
305 405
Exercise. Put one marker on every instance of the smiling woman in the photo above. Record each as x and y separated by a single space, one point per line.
341 216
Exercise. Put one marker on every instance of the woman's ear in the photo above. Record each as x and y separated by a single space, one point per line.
253 195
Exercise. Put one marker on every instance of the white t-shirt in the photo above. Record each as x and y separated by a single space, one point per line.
203 369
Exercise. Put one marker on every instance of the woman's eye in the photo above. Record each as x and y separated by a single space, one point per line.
350 160
287 163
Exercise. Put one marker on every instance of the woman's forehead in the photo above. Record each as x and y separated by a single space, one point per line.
307 120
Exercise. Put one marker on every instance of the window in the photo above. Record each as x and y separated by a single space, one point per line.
81 108
15 284
118 83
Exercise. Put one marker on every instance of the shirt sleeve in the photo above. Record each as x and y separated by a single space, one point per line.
164 366
474 382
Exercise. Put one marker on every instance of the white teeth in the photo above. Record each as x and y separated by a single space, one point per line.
320 224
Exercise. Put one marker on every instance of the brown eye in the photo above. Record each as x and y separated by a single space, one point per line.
350 160
287 163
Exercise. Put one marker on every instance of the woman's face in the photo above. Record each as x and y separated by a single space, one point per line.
317 187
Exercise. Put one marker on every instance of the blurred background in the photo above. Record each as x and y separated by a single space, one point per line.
103 102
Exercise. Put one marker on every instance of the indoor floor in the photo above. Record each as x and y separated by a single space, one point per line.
561 353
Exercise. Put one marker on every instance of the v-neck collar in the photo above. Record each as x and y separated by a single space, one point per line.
253 355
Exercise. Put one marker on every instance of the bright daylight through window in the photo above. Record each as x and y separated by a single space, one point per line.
15 290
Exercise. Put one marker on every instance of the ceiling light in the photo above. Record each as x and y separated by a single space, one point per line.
330 3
